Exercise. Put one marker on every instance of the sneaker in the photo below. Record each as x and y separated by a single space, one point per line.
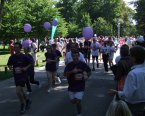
79 115
50 89
23 109
97 65
59 81
28 92
40 85
28 104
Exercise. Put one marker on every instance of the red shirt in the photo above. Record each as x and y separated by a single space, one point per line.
12 51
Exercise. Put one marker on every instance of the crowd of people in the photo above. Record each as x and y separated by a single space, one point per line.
128 71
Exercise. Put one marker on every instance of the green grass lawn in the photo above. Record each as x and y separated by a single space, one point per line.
4 55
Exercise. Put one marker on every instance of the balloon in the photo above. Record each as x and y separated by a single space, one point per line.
55 22
46 25
87 33
27 27
26 43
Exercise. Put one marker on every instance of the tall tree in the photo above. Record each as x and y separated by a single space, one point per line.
1 10
140 16
34 12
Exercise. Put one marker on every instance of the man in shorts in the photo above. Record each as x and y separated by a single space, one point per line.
19 64
76 72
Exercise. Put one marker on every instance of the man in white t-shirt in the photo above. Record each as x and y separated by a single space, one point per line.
95 46
69 58
34 49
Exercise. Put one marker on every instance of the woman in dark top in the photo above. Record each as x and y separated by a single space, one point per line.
51 60
87 50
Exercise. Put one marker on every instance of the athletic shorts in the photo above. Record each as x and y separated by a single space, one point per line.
93 57
77 95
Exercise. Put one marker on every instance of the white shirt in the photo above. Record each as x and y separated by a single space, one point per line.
95 49
69 59
117 59
34 47
134 88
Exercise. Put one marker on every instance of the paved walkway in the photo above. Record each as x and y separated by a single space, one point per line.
95 102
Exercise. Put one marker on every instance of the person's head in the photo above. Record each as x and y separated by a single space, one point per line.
140 41
74 40
137 53
33 40
56 40
118 108
27 50
124 50
94 40
17 47
70 41
49 48
54 46
75 55
110 38
11 41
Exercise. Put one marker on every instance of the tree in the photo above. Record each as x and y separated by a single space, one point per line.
102 27
140 16
34 12
1 10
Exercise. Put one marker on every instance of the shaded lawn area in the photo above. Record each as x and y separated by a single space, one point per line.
4 55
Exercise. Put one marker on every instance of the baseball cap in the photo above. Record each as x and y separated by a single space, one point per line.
140 39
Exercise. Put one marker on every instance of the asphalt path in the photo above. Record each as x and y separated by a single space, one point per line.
56 103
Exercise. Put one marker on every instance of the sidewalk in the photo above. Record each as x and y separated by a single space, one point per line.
96 99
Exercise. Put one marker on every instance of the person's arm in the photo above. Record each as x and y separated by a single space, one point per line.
81 57
68 71
9 64
26 67
48 60
67 58
128 90
129 86
87 72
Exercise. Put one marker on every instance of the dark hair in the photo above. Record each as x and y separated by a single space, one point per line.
54 45
17 43
74 51
138 53
49 47
124 50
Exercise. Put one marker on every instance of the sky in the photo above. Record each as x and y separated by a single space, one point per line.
127 2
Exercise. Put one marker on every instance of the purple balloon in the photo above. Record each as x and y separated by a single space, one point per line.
87 33
55 22
26 43
27 27
46 25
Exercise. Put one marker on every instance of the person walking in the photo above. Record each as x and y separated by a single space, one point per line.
95 46
105 49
